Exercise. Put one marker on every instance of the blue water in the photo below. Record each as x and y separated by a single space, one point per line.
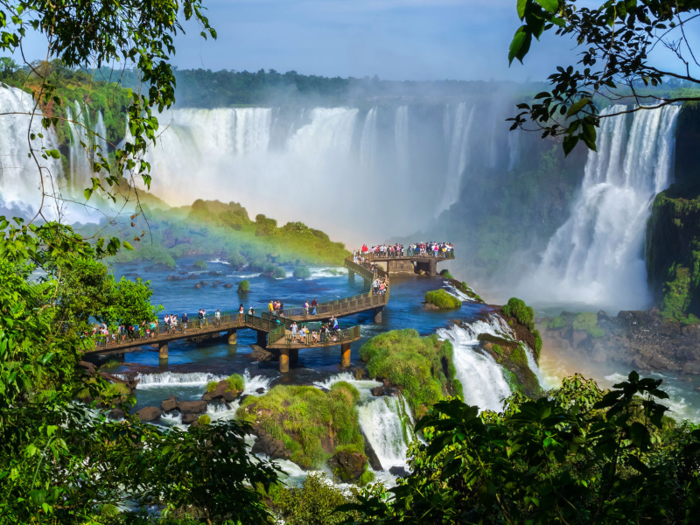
405 310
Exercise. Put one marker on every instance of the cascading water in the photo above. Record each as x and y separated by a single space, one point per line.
368 142
596 257
20 179
482 378
401 143
458 153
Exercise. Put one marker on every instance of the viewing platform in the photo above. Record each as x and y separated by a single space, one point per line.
273 331
408 264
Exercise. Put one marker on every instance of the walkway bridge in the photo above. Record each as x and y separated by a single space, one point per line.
273 331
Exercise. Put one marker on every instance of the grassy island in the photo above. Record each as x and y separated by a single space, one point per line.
421 366
442 299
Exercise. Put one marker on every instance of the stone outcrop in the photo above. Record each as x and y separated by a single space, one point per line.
192 407
148 414
169 404
222 392
269 446
260 354
347 466
641 340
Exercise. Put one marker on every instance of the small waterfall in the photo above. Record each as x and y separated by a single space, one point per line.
253 127
169 379
79 124
401 143
459 153
388 425
513 149
596 257
368 142
482 378
100 136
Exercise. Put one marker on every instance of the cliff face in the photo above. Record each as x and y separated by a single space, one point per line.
673 231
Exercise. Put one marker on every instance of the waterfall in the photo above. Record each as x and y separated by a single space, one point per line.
168 379
482 378
401 143
79 124
368 142
388 426
459 150
101 135
596 257
20 182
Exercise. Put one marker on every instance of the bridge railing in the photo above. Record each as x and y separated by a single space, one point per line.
371 256
276 335
324 338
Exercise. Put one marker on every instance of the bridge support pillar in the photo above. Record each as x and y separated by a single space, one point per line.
351 277
293 355
232 337
262 339
378 314
163 350
433 267
345 355
284 360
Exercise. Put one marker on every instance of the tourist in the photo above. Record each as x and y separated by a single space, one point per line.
306 307
184 322
173 322
294 329
314 305
251 311
314 336
271 306
281 309
217 317
166 320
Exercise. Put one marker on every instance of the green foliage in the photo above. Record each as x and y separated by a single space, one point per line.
523 313
421 366
211 386
244 286
111 364
498 350
235 382
518 356
366 477
588 322
302 272
201 264
204 419
538 343
264 226
442 299
278 272
611 457
311 423
556 323
313 503
446 274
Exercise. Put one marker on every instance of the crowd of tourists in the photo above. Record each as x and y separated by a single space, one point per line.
380 285
327 332
431 249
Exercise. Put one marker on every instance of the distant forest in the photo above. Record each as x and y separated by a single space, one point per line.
210 89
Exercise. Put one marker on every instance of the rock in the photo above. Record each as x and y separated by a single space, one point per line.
577 338
199 285
399 472
169 404
130 380
148 414
271 447
216 274
193 276
116 413
188 419
657 363
228 286
260 390
260 354
384 391
192 407
222 392
348 466
174 278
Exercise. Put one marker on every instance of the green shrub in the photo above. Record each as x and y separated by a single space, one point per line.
446 274
498 350
588 322
204 419
366 477
201 264
116 389
523 313
414 363
314 503
279 273
235 259
302 272
442 299
538 344
236 382
211 386
111 364
557 323
305 417
244 286
518 356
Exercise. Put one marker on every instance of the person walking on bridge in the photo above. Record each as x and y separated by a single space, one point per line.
240 313
314 305
184 322
217 318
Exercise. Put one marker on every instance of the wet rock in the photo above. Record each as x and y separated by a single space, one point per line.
384 391
188 419
174 278
199 285
116 413
222 392
228 286
399 472
260 354
148 414
182 272
169 404
158 268
192 407
192 276
260 390
348 466
271 447
216 274
371 454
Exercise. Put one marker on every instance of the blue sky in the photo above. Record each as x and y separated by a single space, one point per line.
395 39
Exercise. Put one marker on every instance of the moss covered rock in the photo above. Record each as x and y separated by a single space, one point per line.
521 318
244 286
312 425
442 300
421 366
302 272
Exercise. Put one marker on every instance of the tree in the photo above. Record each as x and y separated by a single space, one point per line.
616 40
577 456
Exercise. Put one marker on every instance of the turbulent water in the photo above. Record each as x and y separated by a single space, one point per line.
596 257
